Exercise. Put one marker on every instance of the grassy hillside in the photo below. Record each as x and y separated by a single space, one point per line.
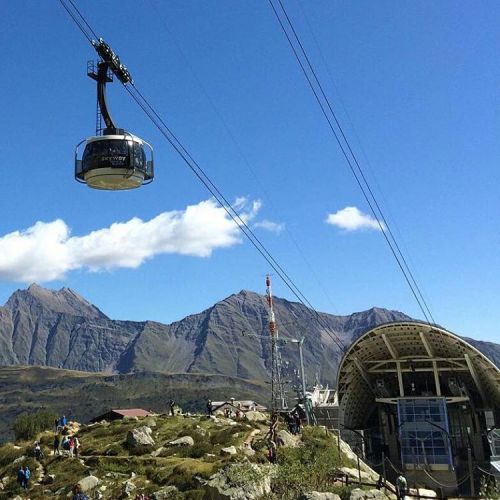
82 395
119 468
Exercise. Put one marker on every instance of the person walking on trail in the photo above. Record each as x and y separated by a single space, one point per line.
401 486
21 477
27 475
172 407
38 451
209 407
57 444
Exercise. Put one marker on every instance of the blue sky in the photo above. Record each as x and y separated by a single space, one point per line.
416 85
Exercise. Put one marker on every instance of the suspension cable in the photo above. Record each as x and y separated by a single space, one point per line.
351 158
197 170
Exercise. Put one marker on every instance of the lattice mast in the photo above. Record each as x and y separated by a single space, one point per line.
278 399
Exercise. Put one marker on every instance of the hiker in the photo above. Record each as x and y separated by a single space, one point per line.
27 475
64 421
401 487
271 452
298 423
77 446
290 420
209 407
21 477
38 451
172 407
71 445
57 444
56 424
65 443
78 494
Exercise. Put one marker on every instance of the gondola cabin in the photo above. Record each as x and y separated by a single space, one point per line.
114 161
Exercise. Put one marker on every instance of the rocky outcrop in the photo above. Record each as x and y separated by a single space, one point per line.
182 441
240 481
139 440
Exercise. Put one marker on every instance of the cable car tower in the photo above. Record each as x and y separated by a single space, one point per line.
278 397
113 159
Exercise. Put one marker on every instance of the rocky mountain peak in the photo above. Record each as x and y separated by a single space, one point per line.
64 300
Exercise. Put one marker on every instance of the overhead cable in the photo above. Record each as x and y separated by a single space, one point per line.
198 171
304 61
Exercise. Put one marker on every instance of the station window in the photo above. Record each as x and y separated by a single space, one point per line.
423 431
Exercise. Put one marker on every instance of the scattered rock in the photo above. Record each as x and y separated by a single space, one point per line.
167 493
359 494
230 450
182 441
240 481
287 439
316 495
157 452
88 483
422 492
247 450
256 416
353 473
140 440
48 479
130 417
17 497
150 422
19 459
129 488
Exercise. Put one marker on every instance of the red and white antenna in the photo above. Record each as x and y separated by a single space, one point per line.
272 319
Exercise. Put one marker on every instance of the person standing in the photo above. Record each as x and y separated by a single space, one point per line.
172 407
21 477
77 446
402 487
27 475
209 407
57 444
71 446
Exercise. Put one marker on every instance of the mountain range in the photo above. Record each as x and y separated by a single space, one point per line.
61 329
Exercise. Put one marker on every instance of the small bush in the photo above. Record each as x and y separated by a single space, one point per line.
27 426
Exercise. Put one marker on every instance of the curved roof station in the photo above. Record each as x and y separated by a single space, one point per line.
423 398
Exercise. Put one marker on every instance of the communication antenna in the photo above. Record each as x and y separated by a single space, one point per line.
278 397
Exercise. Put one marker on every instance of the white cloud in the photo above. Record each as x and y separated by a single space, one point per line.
269 225
352 219
47 251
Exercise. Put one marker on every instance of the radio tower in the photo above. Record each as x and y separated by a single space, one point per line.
278 400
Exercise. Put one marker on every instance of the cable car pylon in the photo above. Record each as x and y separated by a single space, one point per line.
117 159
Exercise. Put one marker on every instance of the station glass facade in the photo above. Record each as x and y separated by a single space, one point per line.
424 431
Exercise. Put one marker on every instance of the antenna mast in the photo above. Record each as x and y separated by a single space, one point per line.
278 399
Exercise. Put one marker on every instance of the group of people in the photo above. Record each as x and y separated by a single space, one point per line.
23 476
293 422
71 444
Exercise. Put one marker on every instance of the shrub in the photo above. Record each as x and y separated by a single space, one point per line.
27 426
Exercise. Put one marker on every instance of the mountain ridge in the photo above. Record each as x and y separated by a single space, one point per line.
61 329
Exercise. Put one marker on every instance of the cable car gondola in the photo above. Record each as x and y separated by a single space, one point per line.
117 159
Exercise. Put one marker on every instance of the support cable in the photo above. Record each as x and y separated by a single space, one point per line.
160 124
357 172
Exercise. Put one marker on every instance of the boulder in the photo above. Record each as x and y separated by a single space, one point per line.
88 483
48 479
150 422
140 440
182 441
287 439
240 481
230 450
247 450
353 474
19 459
129 487
256 416
167 493
359 494
317 495
157 452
